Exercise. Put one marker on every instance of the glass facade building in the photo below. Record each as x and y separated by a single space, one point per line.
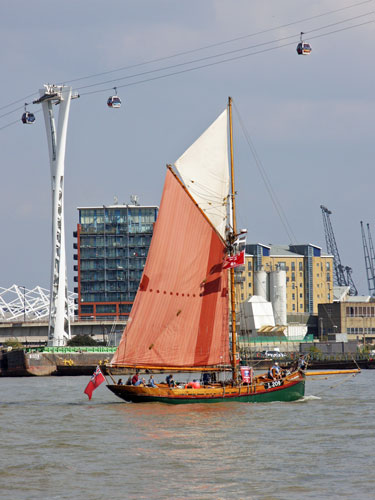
111 250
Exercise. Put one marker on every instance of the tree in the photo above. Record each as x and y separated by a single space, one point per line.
13 343
82 340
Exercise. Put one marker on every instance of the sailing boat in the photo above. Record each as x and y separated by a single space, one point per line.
180 317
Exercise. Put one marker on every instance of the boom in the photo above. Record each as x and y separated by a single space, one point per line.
368 251
341 274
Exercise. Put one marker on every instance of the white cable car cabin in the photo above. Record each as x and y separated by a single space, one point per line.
28 118
114 101
303 48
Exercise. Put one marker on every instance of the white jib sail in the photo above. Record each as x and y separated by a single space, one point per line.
204 169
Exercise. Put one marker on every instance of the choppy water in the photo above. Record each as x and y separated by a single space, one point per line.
55 444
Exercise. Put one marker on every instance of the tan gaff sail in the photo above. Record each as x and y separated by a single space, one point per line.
180 313
204 170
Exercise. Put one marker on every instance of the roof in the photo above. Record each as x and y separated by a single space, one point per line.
340 293
114 207
286 250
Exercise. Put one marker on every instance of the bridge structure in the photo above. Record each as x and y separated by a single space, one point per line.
20 304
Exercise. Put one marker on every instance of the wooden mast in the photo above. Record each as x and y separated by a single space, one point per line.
232 238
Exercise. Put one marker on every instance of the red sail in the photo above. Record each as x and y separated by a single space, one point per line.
180 314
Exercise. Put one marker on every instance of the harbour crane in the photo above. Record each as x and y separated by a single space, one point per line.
342 275
369 254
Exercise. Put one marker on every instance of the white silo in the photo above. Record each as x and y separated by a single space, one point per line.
278 295
261 284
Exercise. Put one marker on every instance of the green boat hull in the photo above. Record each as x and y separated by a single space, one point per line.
290 393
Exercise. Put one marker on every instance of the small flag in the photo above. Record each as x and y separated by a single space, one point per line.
234 260
96 379
241 240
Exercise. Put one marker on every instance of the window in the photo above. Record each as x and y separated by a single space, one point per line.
282 265
293 266
249 265
106 308
87 309
300 266
293 276
293 296
293 307
249 274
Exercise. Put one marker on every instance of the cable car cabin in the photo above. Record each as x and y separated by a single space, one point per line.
28 118
303 49
114 101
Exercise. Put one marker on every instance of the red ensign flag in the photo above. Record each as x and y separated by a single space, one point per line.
234 260
97 379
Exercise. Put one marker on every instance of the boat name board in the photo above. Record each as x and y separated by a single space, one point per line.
274 383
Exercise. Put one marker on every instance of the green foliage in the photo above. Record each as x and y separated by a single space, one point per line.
81 340
315 350
13 343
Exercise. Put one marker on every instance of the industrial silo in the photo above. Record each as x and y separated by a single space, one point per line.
278 295
261 284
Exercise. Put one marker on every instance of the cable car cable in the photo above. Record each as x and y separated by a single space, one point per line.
210 46
219 43
215 62
223 61
220 55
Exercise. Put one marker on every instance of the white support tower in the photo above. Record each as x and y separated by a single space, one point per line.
59 324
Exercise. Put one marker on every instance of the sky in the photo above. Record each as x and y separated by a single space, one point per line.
309 118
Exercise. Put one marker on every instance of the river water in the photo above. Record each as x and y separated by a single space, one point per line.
55 444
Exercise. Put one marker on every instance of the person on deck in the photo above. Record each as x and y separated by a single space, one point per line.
151 382
276 371
135 379
302 363
140 381
119 381
170 381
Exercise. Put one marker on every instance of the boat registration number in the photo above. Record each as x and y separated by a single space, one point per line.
274 383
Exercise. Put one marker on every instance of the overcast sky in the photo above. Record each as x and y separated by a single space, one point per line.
309 118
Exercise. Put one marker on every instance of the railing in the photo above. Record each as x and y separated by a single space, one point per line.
73 349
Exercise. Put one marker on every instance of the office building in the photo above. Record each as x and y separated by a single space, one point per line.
308 271
112 246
